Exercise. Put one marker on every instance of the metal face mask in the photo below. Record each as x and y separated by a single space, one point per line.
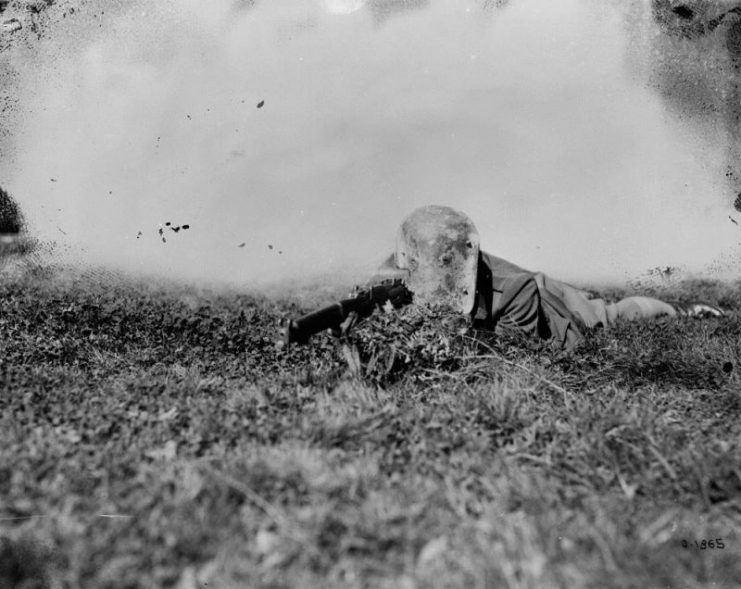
439 246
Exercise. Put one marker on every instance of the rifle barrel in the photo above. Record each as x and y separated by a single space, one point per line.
331 317
326 318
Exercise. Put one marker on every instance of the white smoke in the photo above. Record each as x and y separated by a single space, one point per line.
292 139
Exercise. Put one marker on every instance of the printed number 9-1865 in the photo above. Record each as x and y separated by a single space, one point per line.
704 544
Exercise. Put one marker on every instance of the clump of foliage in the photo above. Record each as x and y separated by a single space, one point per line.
413 341
11 219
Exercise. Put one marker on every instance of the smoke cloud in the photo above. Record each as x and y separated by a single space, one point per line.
245 143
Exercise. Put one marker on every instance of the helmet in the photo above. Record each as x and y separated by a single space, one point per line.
439 247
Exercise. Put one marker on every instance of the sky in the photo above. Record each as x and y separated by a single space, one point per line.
252 142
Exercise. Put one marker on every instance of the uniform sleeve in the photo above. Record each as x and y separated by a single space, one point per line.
525 306
519 305
565 327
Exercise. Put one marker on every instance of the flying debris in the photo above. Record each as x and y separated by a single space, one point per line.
173 228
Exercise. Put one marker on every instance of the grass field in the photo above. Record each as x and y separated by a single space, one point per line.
409 455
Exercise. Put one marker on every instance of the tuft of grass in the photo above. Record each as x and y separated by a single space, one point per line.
411 453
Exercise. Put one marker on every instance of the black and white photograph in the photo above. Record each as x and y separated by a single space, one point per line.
370 294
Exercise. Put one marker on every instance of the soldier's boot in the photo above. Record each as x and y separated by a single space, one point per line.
701 310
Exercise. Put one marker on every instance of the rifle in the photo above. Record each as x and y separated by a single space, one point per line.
363 303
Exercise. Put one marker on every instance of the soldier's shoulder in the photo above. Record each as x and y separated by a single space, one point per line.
501 267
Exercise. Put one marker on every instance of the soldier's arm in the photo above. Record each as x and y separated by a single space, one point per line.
519 304
524 306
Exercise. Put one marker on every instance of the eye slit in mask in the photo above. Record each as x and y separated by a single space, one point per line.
446 259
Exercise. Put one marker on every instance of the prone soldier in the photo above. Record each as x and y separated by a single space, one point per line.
438 261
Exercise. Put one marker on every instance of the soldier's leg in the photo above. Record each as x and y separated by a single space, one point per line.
637 307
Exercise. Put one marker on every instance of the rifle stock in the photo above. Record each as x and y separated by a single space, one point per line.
299 330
